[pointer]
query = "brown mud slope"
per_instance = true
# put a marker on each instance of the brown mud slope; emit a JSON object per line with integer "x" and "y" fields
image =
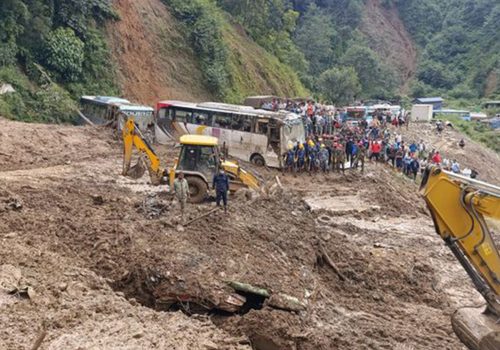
{"x": 91, "y": 246}
{"x": 153, "y": 56}
{"x": 388, "y": 36}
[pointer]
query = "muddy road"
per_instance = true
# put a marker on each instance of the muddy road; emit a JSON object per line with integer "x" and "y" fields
{"x": 89, "y": 259}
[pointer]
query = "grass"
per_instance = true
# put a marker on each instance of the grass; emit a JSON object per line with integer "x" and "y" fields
{"x": 478, "y": 131}
{"x": 254, "y": 71}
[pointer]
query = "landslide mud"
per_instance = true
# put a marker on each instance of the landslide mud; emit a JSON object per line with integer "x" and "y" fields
{"x": 107, "y": 270}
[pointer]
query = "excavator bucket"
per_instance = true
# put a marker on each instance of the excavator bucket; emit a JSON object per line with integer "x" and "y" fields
{"x": 137, "y": 170}
{"x": 476, "y": 328}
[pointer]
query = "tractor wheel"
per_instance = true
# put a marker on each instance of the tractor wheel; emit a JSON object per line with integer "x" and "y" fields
{"x": 197, "y": 189}
{"x": 258, "y": 160}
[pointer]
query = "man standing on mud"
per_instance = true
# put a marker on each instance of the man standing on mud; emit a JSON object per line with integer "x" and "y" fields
{"x": 181, "y": 189}
{"x": 221, "y": 186}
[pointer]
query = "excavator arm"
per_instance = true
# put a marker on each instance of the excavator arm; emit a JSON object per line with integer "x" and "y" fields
{"x": 132, "y": 137}
{"x": 460, "y": 208}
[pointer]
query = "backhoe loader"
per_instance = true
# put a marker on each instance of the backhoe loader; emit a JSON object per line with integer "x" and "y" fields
{"x": 199, "y": 160}
{"x": 462, "y": 210}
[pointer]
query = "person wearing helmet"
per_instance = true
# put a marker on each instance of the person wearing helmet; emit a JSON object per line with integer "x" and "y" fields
{"x": 300, "y": 157}
{"x": 313, "y": 156}
{"x": 289, "y": 159}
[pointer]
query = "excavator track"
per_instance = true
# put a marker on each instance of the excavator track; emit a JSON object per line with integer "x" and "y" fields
{"x": 476, "y": 328}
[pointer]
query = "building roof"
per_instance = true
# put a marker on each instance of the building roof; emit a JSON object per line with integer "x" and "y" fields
{"x": 429, "y": 99}
{"x": 105, "y": 99}
{"x": 200, "y": 140}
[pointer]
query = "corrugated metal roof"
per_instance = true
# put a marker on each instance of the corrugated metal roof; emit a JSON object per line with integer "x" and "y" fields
{"x": 430, "y": 99}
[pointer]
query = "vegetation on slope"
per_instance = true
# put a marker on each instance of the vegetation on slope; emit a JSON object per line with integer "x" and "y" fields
{"x": 460, "y": 46}
{"x": 233, "y": 65}
{"x": 50, "y": 51}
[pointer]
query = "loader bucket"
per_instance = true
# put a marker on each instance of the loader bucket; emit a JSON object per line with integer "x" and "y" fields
{"x": 476, "y": 328}
{"x": 137, "y": 170}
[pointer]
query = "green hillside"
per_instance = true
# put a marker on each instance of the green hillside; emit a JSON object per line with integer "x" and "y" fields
{"x": 53, "y": 51}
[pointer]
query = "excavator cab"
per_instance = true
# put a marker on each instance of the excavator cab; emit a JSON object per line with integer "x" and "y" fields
{"x": 199, "y": 161}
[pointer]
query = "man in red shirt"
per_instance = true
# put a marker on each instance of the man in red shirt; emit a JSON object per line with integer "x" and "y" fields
{"x": 436, "y": 159}
{"x": 376, "y": 148}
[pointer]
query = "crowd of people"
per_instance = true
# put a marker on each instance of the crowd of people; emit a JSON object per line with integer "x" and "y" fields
{"x": 332, "y": 144}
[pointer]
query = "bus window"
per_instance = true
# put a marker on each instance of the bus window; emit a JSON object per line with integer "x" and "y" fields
{"x": 248, "y": 123}
{"x": 202, "y": 118}
{"x": 262, "y": 127}
{"x": 237, "y": 122}
{"x": 183, "y": 116}
{"x": 166, "y": 113}
{"x": 222, "y": 120}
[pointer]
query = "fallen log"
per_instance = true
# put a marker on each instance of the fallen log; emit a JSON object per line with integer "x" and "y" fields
{"x": 87, "y": 120}
{"x": 201, "y": 216}
{"x": 326, "y": 258}
{"x": 248, "y": 288}
{"x": 286, "y": 302}
{"x": 39, "y": 339}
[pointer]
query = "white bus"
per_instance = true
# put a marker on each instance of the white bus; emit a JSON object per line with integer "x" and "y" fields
{"x": 249, "y": 134}
{"x": 107, "y": 109}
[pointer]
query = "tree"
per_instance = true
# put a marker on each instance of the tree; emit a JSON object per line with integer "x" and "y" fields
{"x": 436, "y": 75}
{"x": 316, "y": 37}
{"x": 65, "y": 53}
{"x": 340, "y": 85}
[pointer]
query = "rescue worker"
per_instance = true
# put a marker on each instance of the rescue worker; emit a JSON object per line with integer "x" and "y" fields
{"x": 289, "y": 159}
{"x": 339, "y": 156}
{"x": 360, "y": 157}
{"x": 221, "y": 186}
{"x": 414, "y": 167}
{"x": 300, "y": 157}
{"x": 181, "y": 189}
{"x": 323, "y": 158}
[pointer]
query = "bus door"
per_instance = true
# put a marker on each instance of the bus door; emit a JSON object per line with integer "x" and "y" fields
{"x": 274, "y": 136}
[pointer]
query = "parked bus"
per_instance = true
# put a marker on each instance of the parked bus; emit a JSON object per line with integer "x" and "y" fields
{"x": 249, "y": 134}
{"x": 354, "y": 115}
{"x": 107, "y": 109}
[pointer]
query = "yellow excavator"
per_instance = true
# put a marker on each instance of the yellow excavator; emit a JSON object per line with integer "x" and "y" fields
{"x": 199, "y": 160}
{"x": 462, "y": 210}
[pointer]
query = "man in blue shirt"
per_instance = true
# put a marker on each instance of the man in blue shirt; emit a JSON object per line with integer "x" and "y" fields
{"x": 221, "y": 186}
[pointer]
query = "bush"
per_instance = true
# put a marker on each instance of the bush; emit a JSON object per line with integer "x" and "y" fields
{"x": 12, "y": 106}
{"x": 65, "y": 53}
{"x": 8, "y": 53}
{"x": 206, "y": 31}
{"x": 53, "y": 104}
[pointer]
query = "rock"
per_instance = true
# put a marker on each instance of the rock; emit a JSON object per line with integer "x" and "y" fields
{"x": 98, "y": 199}
{"x": 11, "y": 235}
{"x": 180, "y": 228}
{"x": 62, "y": 286}
{"x": 138, "y": 334}
{"x": 210, "y": 345}
{"x": 13, "y": 204}
{"x": 326, "y": 236}
{"x": 10, "y": 277}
